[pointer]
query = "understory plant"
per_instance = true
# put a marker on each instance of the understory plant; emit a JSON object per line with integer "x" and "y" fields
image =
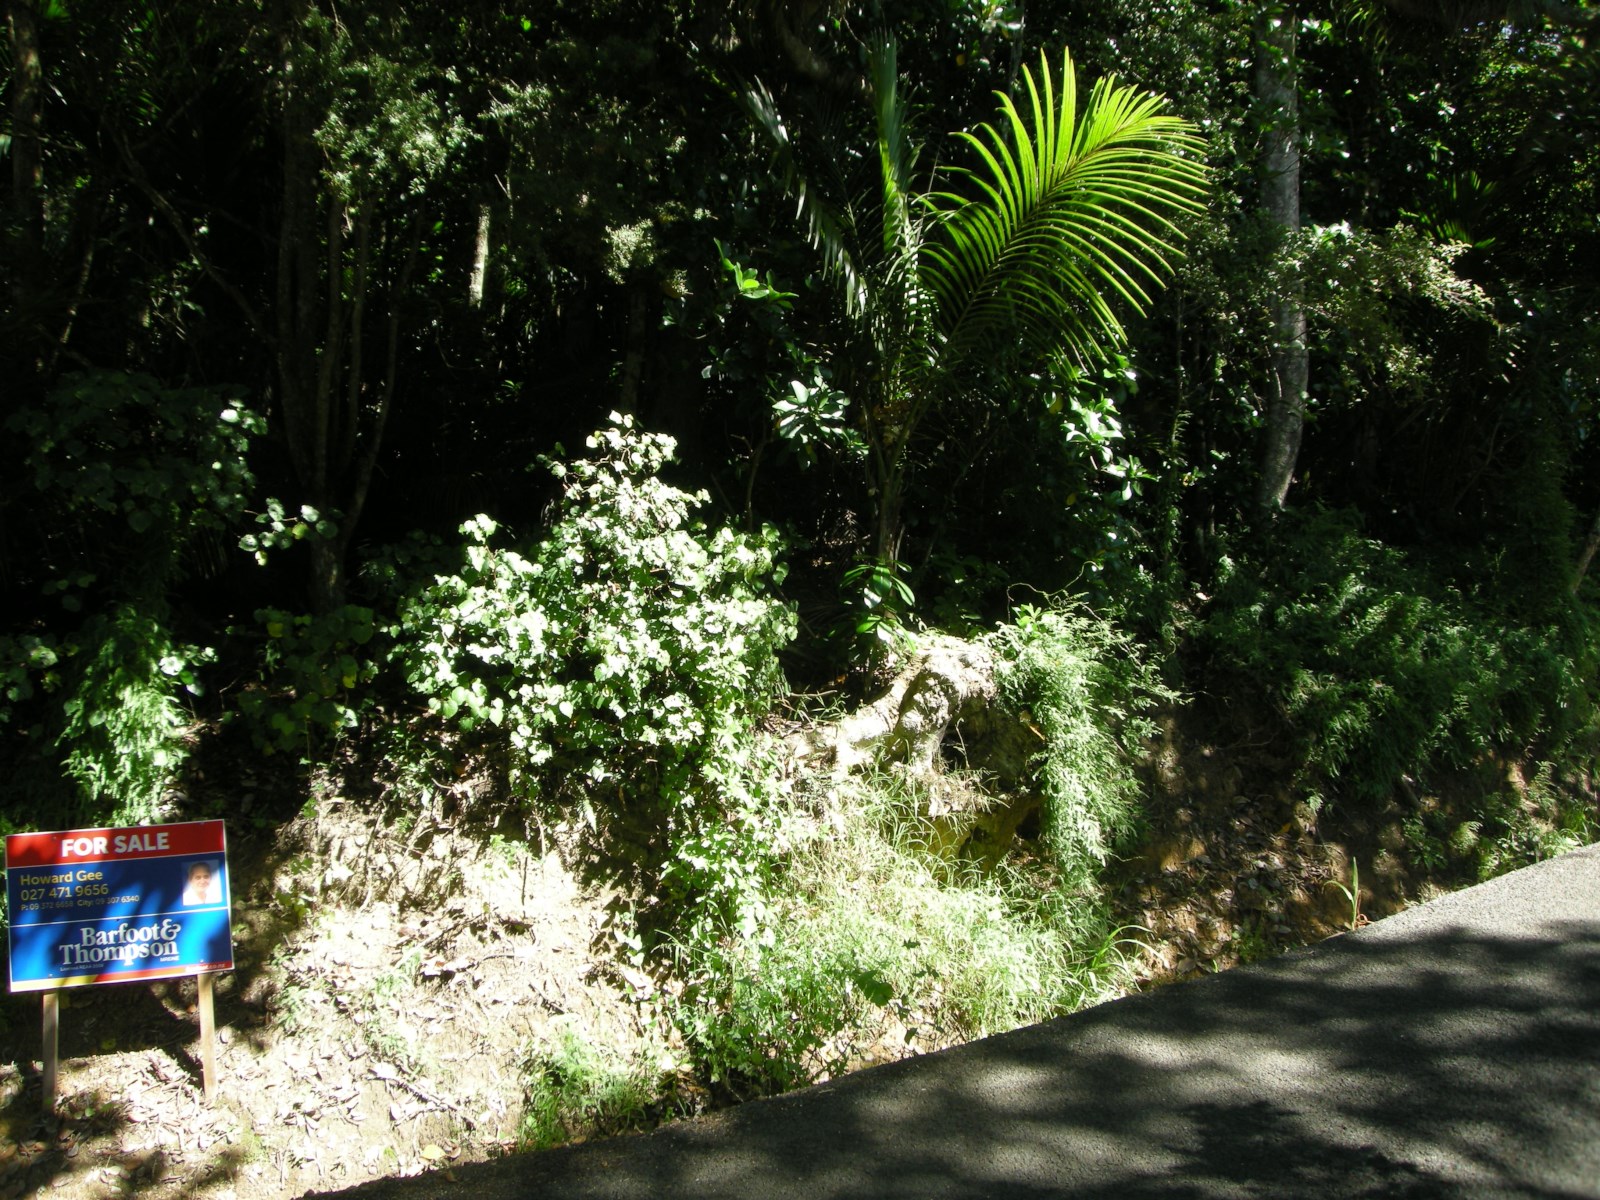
{"x": 1503, "y": 828}
{"x": 313, "y": 668}
{"x": 1082, "y": 687}
{"x": 618, "y": 661}
{"x": 575, "y": 1089}
{"x": 128, "y": 488}
{"x": 122, "y": 733}
{"x": 1380, "y": 669}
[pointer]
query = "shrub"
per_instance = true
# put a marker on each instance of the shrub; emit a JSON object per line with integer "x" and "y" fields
{"x": 1380, "y": 668}
{"x": 121, "y": 737}
{"x": 1080, "y": 685}
{"x": 575, "y": 1090}
{"x": 129, "y": 485}
{"x": 312, "y": 669}
{"x": 621, "y": 658}
{"x": 119, "y": 454}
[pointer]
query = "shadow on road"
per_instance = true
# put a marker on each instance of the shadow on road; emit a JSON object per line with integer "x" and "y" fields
{"x": 1453, "y": 1063}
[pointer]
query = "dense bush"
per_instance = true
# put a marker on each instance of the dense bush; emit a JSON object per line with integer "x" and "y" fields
{"x": 128, "y": 488}
{"x": 621, "y": 658}
{"x": 874, "y": 940}
{"x": 122, "y": 734}
{"x": 314, "y": 668}
{"x": 882, "y": 945}
{"x": 1379, "y": 668}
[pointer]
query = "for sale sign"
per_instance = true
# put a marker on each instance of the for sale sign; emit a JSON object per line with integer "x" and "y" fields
{"x": 115, "y": 905}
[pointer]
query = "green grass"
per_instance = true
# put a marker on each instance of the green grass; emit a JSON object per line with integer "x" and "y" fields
{"x": 576, "y": 1090}
{"x": 882, "y": 949}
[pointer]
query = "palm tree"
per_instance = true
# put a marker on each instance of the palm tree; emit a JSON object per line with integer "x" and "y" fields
{"x": 1018, "y": 262}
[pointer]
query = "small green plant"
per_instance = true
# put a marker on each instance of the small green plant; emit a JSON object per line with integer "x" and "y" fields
{"x": 1251, "y": 942}
{"x": 1541, "y": 822}
{"x": 1352, "y": 893}
{"x": 877, "y": 601}
{"x": 294, "y": 1004}
{"x": 387, "y": 985}
{"x": 384, "y": 1006}
{"x": 122, "y": 734}
{"x": 276, "y": 529}
{"x": 1425, "y": 848}
{"x": 753, "y": 343}
{"x": 575, "y": 1090}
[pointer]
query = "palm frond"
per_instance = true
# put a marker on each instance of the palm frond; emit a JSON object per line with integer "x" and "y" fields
{"x": 1067, "y": 211}
{"x": 827, "y": 229}
{"x": 895, "y": 157}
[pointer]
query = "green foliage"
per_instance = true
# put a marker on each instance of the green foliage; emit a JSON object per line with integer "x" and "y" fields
{"x": 165, "y": 462}
{"x": 878, "y": 601}
{"x": 575, "y": 1090}
{"x": 724, "y": 850}
{"x": 313, "y": 667}
{"x": 1502, "y": 829}
{"x": 1523, "y": 827}
{"x": 1379, "y": 669}
{"x": 808, "y": 412}
{"x": 277, "y": 530}
{"x": 122, "y": 736}
{"x": 1351, "y": 892}
{"x": 1069, "y": 209}
{"x": 868, "y": 936}
{"x": 21, "y": 660}
{"x": 383, "y": 126}
{"x": 880, "y": 945}
{"x": 623, "y": 656}
{"x": 1081, "y": 686}
{"x": 949, "y": 298}
{"x": 128, "y": 483}
{"x": 1376, "y": 343}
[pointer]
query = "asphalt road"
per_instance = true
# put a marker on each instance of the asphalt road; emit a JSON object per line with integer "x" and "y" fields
{"x": 1453, "y": 1050}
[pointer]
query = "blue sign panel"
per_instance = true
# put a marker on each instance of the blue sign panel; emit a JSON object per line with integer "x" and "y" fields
{"x": 116, "y": 905}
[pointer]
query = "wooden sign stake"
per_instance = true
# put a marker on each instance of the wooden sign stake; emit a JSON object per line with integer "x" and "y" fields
{"x": 52, "y": 1023}
{"x": 208, "y": 1037}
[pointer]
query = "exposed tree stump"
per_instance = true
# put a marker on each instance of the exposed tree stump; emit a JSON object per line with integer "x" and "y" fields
{"x": 965, "y": 754}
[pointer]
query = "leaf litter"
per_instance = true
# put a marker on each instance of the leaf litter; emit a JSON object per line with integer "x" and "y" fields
{"x": 387, "y": 990}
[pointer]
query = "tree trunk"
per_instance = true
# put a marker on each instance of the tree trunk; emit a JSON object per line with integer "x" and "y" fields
{"x": 342, "y": 272}
{"x": 307, "y": 301}
{"x": 1590, "y": 545}
{"x": 327, "y": 572}
{"x": 640, "y": 312}
{"x": 1277, "y": 98}
{"x": 886, "y": 517}
{"x": 480, "y": 258}
{"x": 888, "y": 433}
